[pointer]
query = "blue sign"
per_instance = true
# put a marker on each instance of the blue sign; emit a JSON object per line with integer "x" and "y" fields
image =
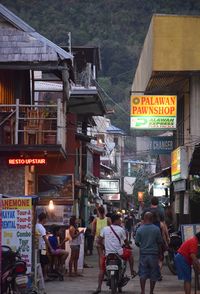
{"x": 161, "y": 145}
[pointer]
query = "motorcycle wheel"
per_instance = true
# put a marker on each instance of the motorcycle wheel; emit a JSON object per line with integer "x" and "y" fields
{"x": 170, "y": 263}
{"x": 113, "y": 284}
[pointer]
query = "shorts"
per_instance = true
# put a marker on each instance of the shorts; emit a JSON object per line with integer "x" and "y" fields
{"x": 58, "y": 251}
{"x": 149, "y": 267}
{"x": 184, "y": 270}
{"x": 44, "y": 260}
{"x": 75, "y": 247}
{"x": 125, "y": 256}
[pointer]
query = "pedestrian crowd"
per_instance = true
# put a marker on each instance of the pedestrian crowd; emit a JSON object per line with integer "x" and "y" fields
{"x": 110, "y": 233}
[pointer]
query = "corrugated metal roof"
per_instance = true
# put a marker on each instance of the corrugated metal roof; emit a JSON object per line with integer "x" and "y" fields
{"x": 114, "y": 130}
{"x": 21, "y": 43}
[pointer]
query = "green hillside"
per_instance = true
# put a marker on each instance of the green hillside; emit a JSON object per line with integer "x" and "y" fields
{"x": 117, "y": 26}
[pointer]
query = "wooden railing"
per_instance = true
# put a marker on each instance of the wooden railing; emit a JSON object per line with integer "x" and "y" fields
{"x": 33, "y": 124}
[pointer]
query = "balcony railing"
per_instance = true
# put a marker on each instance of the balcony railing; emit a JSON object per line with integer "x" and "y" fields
{"x": 35, "y": 124}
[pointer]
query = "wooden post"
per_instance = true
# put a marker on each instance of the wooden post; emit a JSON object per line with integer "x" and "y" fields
{"x": 65, "y": 79}
{"x": 17, "y": 121}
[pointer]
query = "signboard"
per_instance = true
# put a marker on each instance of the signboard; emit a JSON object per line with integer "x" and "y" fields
{"x": 59, "y": 215}
{"x": 161, "y": 145}
{"x": 177, "y": 203}
{"x": 180, "y": 186}
{"x": 108, "y": 186}
{"x": 56, "y": 186}
{"x": 161, "y": 187}
{"x": 179, "y": 168}
{"x": 154, "y": 112}
{"x": 111, "y": 197}
{"x": 189, "y": 230}
{"x": 17, "y": 226}
{"x": 186, "y": 203}
{"x": 27, "y": 161}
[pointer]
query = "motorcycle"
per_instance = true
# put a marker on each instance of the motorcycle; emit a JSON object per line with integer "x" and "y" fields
{"x": 115, "y": 271}
{"x": 14, "y": 278}
{"x": 175, "y": 243}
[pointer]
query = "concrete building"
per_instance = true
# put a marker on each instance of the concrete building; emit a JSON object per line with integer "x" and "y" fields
{"x": 170, "y": 65}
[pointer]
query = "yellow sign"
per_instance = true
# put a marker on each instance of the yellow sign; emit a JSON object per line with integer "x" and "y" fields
{"x": 176, "y": 160}
{"x": 17, "y": 203}
{"x": 179, "y": 165}
{"x": 153, "y": 112}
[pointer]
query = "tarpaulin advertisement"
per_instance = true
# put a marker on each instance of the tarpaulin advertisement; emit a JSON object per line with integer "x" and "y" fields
{"x": 17, "y": 226}
{"x": 154, "y": 112}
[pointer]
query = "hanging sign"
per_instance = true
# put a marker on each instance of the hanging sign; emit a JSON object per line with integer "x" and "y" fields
{"x": 179, "y": 167}
{"x": 17, "y": 226}
{"x": 161, "y": 145}
{"x": 154, "y": 112}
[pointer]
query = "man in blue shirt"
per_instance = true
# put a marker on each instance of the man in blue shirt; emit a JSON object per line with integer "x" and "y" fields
{"x": 149, "y": 239}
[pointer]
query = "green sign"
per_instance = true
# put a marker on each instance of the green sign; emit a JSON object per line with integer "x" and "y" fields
{"x": 163, "y": 122}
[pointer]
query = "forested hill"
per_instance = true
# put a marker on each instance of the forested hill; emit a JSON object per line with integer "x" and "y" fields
{"x": 117, "y": 26}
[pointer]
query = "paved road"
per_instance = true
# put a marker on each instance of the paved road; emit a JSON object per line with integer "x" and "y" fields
{"x": 88, "y": 283}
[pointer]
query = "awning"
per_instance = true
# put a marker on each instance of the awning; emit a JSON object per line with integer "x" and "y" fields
{"x": 194, "y": 166}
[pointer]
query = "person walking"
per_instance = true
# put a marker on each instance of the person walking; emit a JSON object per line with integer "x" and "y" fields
{"x": 149, "y": 240}
{"x": 185, "y": 259}
{"x": 159, "y": 221}
{"x": 129, "y": 224}
{"x": 100, "y": 222}
{"x": 75, "y": 242}
{"x": 89, "y": 238}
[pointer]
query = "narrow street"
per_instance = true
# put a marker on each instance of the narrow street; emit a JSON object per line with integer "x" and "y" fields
{"x": 88, "y": 283}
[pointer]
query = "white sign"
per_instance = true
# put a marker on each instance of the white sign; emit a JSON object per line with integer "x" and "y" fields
{"x": 177, "y": 203}
{"x": 108, "y": 186}
{"x": 186, "y": 203}
{"x": 111, "y": 197}
{"x": 17, "y": 226}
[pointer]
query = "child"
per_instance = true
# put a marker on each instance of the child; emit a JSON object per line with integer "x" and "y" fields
{"x": 57, "y": 251}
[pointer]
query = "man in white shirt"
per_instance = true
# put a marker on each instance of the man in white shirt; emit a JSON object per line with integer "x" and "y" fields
{"x": 114, "y": 238}
{"x": 43, "y": 243}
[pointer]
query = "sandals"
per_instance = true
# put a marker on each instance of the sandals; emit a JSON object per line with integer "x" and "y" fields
{"x": 134, "y": 274}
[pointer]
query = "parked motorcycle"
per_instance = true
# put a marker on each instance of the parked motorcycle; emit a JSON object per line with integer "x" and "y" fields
{"x": 115, "y": 271}
{"x": 14, "y": 278}
{"x": 175, "y": 243}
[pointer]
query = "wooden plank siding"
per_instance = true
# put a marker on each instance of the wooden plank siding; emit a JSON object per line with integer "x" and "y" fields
{"x": 14, "y": 84}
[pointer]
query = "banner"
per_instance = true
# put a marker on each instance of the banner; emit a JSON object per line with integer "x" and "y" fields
{"x": 17, "y": 226}
{"x": 153, "y": 112}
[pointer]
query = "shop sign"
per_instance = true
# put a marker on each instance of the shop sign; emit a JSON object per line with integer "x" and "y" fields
{"x": 154, "y": 112}
{"x": 111, "y": 197}
{"x": 179, "y": 186}
{"x": 108, "y": 186}
{"x": 161, "y": 145}
{"x": 17, "y": 226}
{"x": 179, "y": 168}
{"x": 27, "y": 161}
{"x": 161, "y": 187}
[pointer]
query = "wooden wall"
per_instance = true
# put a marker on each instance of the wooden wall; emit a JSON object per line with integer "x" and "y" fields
{"x": 14, "y": 84}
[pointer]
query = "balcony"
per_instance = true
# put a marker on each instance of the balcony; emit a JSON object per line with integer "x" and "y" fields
{"x": 36, "y": 124}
